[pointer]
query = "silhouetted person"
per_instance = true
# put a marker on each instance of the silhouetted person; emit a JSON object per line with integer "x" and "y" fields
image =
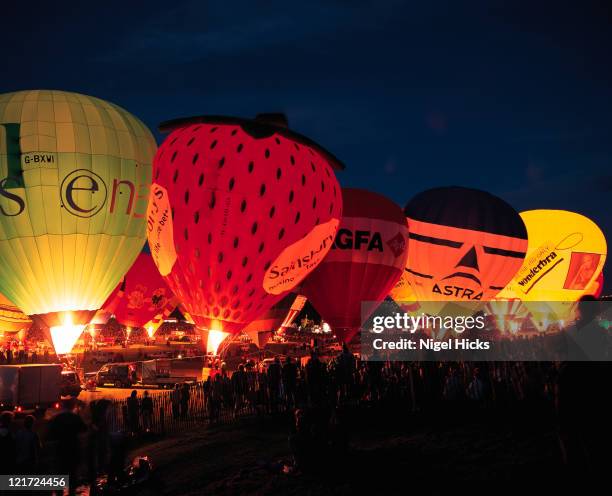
{"x": 175, "y": 398}
{"x": 133, "y": 411}
{"x": 274, "y": 382}
{"x": 28, "y": 447}
{"x": 185, "y": 395}
{"x": 584, "y": 387}
{"x": 289, "y": 373}
{"x": 7, "y": 444}
{"x": 65, "y": 428}
{"x": 146, "y": 407}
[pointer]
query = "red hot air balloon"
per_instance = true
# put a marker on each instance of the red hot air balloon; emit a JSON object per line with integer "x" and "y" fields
{"x": 142, "y": 294}
{"x": 366, "y": 261}
{"x": 465, "y": 244}
{"x": 240, "y": 212}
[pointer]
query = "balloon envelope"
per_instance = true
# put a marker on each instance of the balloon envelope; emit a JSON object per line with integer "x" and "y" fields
{"x": 141, "y": 295}
{"x": 366, "y": 261}
{"x": 240, "y": 212}
{"x": 566, "y": 255}
{"x": 465, "y": 244}
{"x": 75, "y": 173}
{"x": 12, "y": 319}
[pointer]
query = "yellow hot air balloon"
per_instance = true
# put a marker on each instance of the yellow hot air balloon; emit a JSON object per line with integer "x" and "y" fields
{"x": 75, "y": 173}
{"x": 12, "y": 320}
{"x": 566, "y": 254}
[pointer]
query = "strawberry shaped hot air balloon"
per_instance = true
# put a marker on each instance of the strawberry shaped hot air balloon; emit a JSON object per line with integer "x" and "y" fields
{"x": 366, "y": 261}
{"x": 141, "y": 295}
{"x": 240, "y": 212}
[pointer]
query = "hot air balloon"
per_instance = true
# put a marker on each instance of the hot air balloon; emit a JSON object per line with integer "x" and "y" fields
{"x": 465, "y": 244}
{"x": 366, "y": 261}
{"x": 13, "y": 322}
{"x": 279, "y": 317}
{"x": 141, "y": 295}
{"x": 75, "y": 173}
{"x": 241, "y": 211}
{"x": 566, "y": 254}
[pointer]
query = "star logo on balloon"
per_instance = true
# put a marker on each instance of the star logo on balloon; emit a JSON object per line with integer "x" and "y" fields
{"x": 397, "y": 244}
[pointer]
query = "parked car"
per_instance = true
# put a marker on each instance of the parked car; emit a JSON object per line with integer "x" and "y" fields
{"x": 70, "y": 383}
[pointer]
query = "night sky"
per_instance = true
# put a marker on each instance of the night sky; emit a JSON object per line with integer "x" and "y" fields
{"x": 507, "y": 96}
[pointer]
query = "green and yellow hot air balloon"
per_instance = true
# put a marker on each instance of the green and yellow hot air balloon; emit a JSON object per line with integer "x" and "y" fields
{"x": 75, "y": 173}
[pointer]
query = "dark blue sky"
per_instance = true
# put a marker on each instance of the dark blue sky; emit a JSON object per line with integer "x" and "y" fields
{"x": 508, "y": 96}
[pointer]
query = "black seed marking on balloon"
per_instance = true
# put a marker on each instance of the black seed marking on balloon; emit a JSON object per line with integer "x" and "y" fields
{"x": 157, "y": 174}
{"x": 317, "y": 221}
{"x": 331, "y": 206}
{"x": 261, "y": 247}
{"x": 311, "y": 152}
{"x": 243, "y": 206}
{"x": 272, "y": 211}
{"x": 213, "y": 144}
{"x": 267, "y": 153}
{"x": 196, "y": 253}
{"x": 314, "y": 202}
{"x": 277, "y": 141}
{"x": 172, "y": 209}
{"x": 281, "y": 233}
{"x": 187, "y": 197}
{"x": 236, "y": 241}
{"x": 194, "y": 159}
{"x": 213, "y": 130}
{"x": 173, "y": 156}
{"x": 292, "y": 160}
{"x": 236, "y": 303}
{"x": 249, "y": 306}
{"x": 278, "y": 173}
{"x": 217, "y": 286}
{"x": 327, "y": 171}
{"x": 196, "y": 217}
{"x": 231, "y": 183}
{"x": 209, "y": 239}
{"x": 268, "y": 263}
{"x": 303, "y": 180}
{"x": 201, "y": 179}
{"x": 262, "y": 190}
{"x": 249, "y": 277}
{"x": 322, "y": 186}
{"x": 209, "y": 272}
{"x": 233, "y": 133}
{"x": 254, "y": 228}
{"x": 221, "y": 162}
{"x": 239, "y": 149}
{"x": 291, "y": 196}
{"x": 334, "y": 191}
{"x": 226, "y": 313}
{"x": 245, "y": 261}
{"x": 297, "y": 217}
{"x": 174, "y": 140}
{"x": 186, "y": 234}
{"x": 228, "y": 275}
{"x": 312, "y": 165}
{"x": 213, "y": 200}
{"x": 297, "y": 147}
{"x": 196, "y": 128}
{"x": 190, "y": 142}
{"x": 251, "y": 165}
{"x": 220, "y": 257}
{"x": 252, "y": 292}
{"x": 175, "y": 177}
